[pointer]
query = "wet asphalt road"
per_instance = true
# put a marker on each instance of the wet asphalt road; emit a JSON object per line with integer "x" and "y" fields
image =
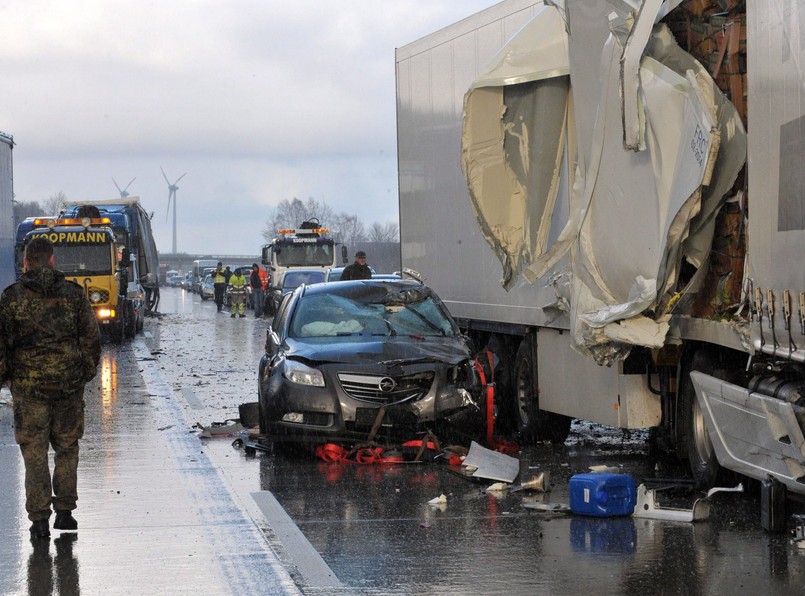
{"x": 348, "y": 528}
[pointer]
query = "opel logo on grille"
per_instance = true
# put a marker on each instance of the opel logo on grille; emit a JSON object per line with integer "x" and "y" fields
{"x": 387, "y": 384}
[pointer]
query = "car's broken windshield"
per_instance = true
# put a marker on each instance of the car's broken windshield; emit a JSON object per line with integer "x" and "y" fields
{"x": 330, "y": 315}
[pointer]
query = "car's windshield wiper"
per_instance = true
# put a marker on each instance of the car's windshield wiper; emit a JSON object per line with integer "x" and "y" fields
{"x": 391, "y": 332}
{"x": 425, "y": 320}
{"x": 421, "y": 360}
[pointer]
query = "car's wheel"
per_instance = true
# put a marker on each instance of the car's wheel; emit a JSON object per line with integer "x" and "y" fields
{"x": 262, "y": 413}
{"x": 203, "y": 297}
{"x": 693, "y": 438}
{"x": 531, "y": 423}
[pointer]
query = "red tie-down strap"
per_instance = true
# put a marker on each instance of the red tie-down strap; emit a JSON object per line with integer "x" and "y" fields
{"x": 490, "y": 394}
{"x": 330, "y": 452}
{"x": 367, "y": 454}
{"x": 491, "y": 441}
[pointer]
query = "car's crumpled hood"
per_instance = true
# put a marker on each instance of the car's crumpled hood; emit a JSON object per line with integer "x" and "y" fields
{"x": 332, "y": 350}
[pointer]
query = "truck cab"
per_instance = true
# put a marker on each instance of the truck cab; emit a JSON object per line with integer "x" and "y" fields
{"x": 87, "y": 254}
{"x": 310, "y": 246}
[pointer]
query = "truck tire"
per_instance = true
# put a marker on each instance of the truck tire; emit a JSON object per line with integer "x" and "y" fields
{"x": 693, "y": 438}
{"x": 531, "y": 423}
{"x": 130, "y": 318}
{"x": 118, "y": 331}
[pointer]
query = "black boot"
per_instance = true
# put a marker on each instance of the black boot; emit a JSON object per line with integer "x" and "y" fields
{"x": 65, "y": 521}
{"x": 40, "y": 529}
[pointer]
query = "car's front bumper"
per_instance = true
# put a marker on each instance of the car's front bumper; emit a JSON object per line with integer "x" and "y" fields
{"x": 297, "y": 412}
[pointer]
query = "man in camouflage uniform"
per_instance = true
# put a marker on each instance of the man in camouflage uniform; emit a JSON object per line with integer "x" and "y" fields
{"x": 49, "y": 349}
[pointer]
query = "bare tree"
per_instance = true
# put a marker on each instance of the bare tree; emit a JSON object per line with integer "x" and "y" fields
{"x": 290, "y": 214}
{"x": 350, "y": 229}
{"x": 388, "y": 232}
{"x": 54, "y": 203}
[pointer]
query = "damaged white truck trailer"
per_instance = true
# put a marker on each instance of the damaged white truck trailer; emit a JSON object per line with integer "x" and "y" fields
{"x": 650, "y": 249}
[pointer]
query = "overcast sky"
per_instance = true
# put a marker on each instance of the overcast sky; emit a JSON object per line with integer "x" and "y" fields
{"x": 256, "y": 101}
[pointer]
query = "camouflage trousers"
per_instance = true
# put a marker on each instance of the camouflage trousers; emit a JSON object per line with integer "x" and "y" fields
{"x": 57, "y": 421}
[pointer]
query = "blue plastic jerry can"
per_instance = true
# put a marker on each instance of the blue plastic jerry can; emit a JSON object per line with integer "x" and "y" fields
{"x": 602, "y": 495}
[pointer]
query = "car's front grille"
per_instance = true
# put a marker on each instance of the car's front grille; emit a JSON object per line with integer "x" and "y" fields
{"x": 380, "y": 390}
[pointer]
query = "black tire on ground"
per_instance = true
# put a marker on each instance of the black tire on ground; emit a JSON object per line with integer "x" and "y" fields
{"x": 261, "y": 412}
{"x": 203, "y": 297}
{"x": 532, "y": 423}
{"x": 693, "y": 439}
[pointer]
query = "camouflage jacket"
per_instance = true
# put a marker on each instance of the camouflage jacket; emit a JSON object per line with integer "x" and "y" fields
{"x": 49, "y": 338}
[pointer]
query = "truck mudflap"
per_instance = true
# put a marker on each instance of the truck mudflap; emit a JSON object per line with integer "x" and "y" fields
{"x": 753, "y": 434}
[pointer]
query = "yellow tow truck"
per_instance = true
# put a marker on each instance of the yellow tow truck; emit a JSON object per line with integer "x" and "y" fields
{"x": 86, "y": 253}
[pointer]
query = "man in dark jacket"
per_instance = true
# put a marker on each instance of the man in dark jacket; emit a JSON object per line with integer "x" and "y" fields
{"x": 49, "y": 349}
{"x": 358, "y": 270}
{"x": 219, "y": 281}
{"x": 256, "y": 282}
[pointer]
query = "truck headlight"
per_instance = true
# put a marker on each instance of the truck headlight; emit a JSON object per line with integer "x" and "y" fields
{"x": 95, "y": 297}
{"x": 296, "y": 372}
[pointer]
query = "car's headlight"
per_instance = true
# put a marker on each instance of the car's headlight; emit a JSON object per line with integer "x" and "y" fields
{"x": 296, "y": 372}
{"x": 465, "y": 376}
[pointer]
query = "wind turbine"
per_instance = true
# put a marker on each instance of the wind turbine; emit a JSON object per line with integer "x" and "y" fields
{"x": 123, "y": 193}
{"x": 172, "y": 188}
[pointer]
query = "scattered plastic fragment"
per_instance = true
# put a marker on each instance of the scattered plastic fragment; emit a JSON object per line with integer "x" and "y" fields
{"x": 538, "y": 483}
{"x": 220, "y": 430}
{"x": 491, "y": 464}
{"x": 440, "y": 500}
{"x": 603, "y": 468}
{"x": 550, "y": 507}
{"x": 497, "y": 487}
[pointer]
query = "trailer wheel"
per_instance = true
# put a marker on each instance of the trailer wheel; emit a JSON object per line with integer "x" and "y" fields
{"x": 531, "y": 423}
{"x": 693, "y": 436}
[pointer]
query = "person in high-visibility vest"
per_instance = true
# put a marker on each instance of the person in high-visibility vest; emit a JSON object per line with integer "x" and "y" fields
{"x": 237, "y": 293}
{"x": 219, "y": 283}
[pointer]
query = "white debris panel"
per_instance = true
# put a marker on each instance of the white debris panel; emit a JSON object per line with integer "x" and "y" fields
{"x": 599, "y": 99}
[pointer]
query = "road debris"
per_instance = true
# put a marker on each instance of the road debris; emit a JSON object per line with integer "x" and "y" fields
{"x": 485, "y": 463}
{"x": 440, "y": 500}
{"x": 498, "y": 487}
{"x": 219, "y": 429}
{"x": 538, "y": 483}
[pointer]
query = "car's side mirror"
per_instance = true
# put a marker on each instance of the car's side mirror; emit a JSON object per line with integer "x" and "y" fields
{"x": 344, "y": 253}
{"x": 272, "y": 341}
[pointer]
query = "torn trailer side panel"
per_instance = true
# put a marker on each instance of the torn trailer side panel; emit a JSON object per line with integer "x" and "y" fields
{"x": 604, "y": 197}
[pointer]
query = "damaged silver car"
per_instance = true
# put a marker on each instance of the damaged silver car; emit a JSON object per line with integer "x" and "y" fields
{"x": 354, "y": 360}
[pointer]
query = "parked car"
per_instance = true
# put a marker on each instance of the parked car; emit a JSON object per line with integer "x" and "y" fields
{"x": 175, "y": 281}
{"x": 207, "y": 288}
{"x": 336, "y": 353}
{"x": 187, "y": 282}
{"x": 334, "y": 274}
{"x": 292, "y": 280}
